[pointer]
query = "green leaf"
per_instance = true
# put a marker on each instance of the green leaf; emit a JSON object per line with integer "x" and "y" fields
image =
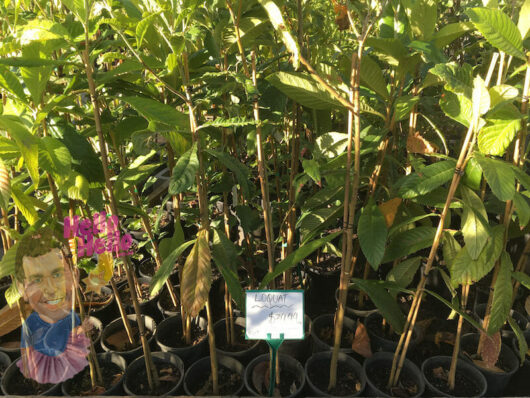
{"x": 458, "y": 107}
{"x": 372, "y": 76}
{"x": 225, "y": 257}
{"x": 24, "y": 204}
{"x": 500, "y": 130}
{"x": 450, "y": 248}
{"x": 160, "y": 276}
{"x": 241, "y": 171}
{"x": 522, "y": 209}
{"x": 524, "y": 19}
{"x": 422, "y": 15}
{"x": 130, "y": 210}
{"x": 521, "y": 340}
{"x": 7, "y": 264}
{"x": 157, "y": 111}
{"x": 372, "y": 233}
{"x": 26, "y": 142}
{"x": 473, "y": 174}
{"x": 303, "y": 89}
{"x": 403, "y": 273}
{"x": 12, "y": 295}
{"x": 54, "y": 157}
{"x": 502, "y": 93}
{"x": 499, "y": 175}
{"x": 502, "y": 295}
{"x": 142, "y": 26}
{"x": 383, "y": 300}
{"x": 480, "y": 97}
{"x": 403, "y": 106}
{"x": 312, "y": 222}
{"x": 498, "y": 29}
{"x": 134, "y": 175}
{"x": 522, "y": 278}
{"x": 31, "y": 62}
{"x": 9, "y": 82}
{"x": 458, "y": 78}
{"x": 391, "y": 50}
{"x": 466, "y": 270}
{"x": 296, "y": 257}
{"x": 229, "y": 122}
{"x": 77, "y": 186}
{"x": 84, "y": 159}
{"x": 276, "y": 18}
{"x": 196, "y": 276}
{"x": 475, "y": 226}
{"x": 451, "y": 32}
{"x": 409, "y": 242}
{"x": 167, "y": 244}
{"x": 183, "y": 176}
{"x": 430, "y": 178}
{"x": 312, "y": 169}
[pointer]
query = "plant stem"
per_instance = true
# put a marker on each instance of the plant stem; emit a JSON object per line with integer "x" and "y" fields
{"x": 213, "y": 352}
{"x": 123, "y": 314}
{"x": 456, "y": 348}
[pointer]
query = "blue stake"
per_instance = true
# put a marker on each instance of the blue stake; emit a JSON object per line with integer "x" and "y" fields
{"x": 274, "y": 344}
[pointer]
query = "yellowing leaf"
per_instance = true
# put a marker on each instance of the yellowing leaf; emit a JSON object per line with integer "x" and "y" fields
{"x": 389, "y": 210}
{"x": 417, "y": 144}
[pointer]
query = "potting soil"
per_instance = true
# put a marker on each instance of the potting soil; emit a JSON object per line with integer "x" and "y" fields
{"x": 125, "y": 294}
{"x": 464, "y": 386}
{"x": 240, "y": 343}
{"x": 406, "y": 387}
{"x": 119, "y": 341}
{"x": 168, "y": 376}
{"x": 165, "y": 300}
{"x": 19, "y": 385}
{"x": 229, "y": 382}
{"x": 82, "y": 385}
{"x": 327, "y": 333}
{"x": 288, "y": 382}
{"x": 177, "y": 340}
{"x": 347, "y": 381}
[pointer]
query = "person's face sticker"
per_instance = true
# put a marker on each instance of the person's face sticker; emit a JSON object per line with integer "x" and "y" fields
{"x": 48, "y": 285}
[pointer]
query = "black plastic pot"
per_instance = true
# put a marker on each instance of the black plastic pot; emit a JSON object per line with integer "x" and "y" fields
{"x": 200, "y": 371}
{"x": 116, "y": 325}
{"x": 506, "y": 332}
{"x": 171, "y": 328}
{"x": 10, "y": 343}
{"x": 380, "y": 343}
{"x": 167, "y": 313}
{"x": 299, "y": 349}
{"x": 142, "y": 273}
{"x": 383, "y": 360}
{"x": 352, "y": 311}
{"x": 107, "y": 357}
{"x": 244, "y": 356}
{"x": 5, "y": 361}
{"x": 286, "y": 363}
{"x": 321, "y": 362}
{"x": 97, "y": 326}
{"x": 147, "y": 307}
{"x": 463, "y": 369}
{"x": 322, "y": 285}
{"x": 108, "y": 312}
{"x": 9, "y": 380}
{"x": 497, "y": 382}
{"x": 327, "y": 320}
{"x": 159, "y": 358}
{"x": 515, "y": 346}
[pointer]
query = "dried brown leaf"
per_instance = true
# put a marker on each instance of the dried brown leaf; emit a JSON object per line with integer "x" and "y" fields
{"x": 527, "y": 305}
{"x": 417, "y": 144}
{"x": 485, "y": 365}
{"x": 361, "y": 341}
{"x": 389, "y": 210}
{"x": 196, "y": 276}
{"x": 491, "y": 348}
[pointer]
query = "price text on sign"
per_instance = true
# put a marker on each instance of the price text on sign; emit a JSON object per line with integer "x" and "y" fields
{"x": 275, "y": 312}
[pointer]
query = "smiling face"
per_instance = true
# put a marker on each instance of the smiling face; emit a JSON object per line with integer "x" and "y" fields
{"x": 48, "y": 285}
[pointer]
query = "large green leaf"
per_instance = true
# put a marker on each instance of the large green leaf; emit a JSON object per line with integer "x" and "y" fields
{"x": 183, "y": 176}
{"x": 521, "y": 340}
{"x": 372, "y": 233}
{"x": 422, "y": 16}
{"x": 7, "y": 264}
{"x": 466, "y": 270}
{"x": 312, "y": 169}
{"x": 403, "y": 106}
{"x": 522, "y": 208}
{"x": 428, "y": 179}
{"x": 450, "y": 248}
{"x": 391, "y": 50}
{"x": 235, "y": 166}
{"x": 475, "y": 226}
{"x": 77, "y": 186}
{"x": 458, "y": 107}
{"x": 166, "y": 245}
{"x": 84, "y": 159}
{"x": 451, "y": 32}
{"x": 24, "y": 204}
{"x": 295, "y": 257}
{"x": 303, "y": 89}
{"x": 383, "y": 300}
{"x": 27, "y": 144}
{"x": 522, "y": 278}
{"x": 403, "y": 273}
{"x": 372, "y": 76}
{"x": 499, "y": 175}
{"x": 501, "y": 128}
{"x": 225, "y": 257}
{"x": 458, "y": 78}
{"x": 314, "y": 221}
{"x": 54, "y": 157}
{"x": 158, "y": 111}
{"x": 502, "y": 295}
{"x": 78, "y": 7}
{"x": 408, "y": 242}
{"x": 196, "y": 276}
{"x": 161, "y": 275}
{"x": 229, "y": 122}
{"x": 9, "y": 82}
{"x": 142, "y": 26}
{"x": 5, "y": 186}
{"x": 524, "y": 19}
{"x": 498, "y": 29}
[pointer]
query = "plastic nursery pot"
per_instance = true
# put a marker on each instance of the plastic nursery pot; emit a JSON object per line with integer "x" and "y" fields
{"x": 378, "y": 340}
{"x": 95, "y": 333}
{"x": 114, "y": 337}
{"x": 146, "y": 269}
{"x": 108, "y": 360}
{"x": 323, "y": 330}
{"x": 497, "y": 381}
{"x": 103, "y": 307}
{"x": 164, "y": 303}
{"x": 198, "y": 375}
{"x": 352, "y": 306}
{"x": 349, "y": 374}
{"x": 5, "y": 361}
{"x": 135, "y": 379}
{"x": 299, "y": 349}
{"x": 14, "y": 383}
{"x": 515, "y": 346}
{"x": 291, "y": 371}
{"x": 323, "y": 280}
{"x": 377, "y": 369}
{"x": 10, "y": 343}
{"x": 169, "y": 338}
{"x": 243, "y": 350}
{"x": 506, "y": 332}
{"x": 469, "y": 381}
{"x": 148, "y": 306}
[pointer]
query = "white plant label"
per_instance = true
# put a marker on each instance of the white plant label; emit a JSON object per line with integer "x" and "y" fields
{"x": 271, "y": 313}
